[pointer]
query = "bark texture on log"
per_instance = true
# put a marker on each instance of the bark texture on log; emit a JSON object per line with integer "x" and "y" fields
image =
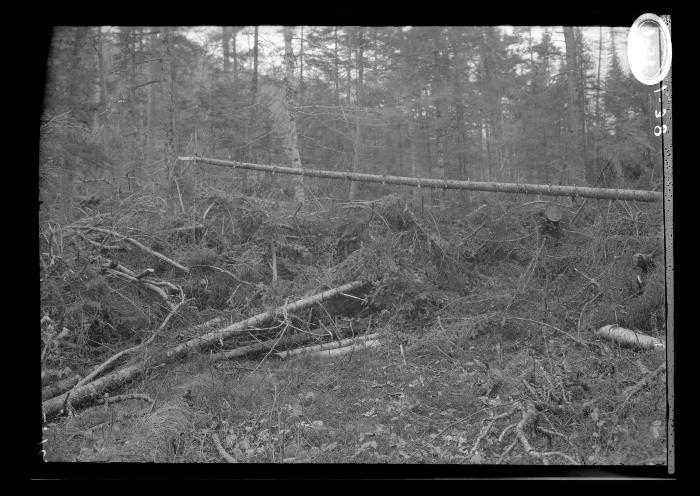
{"x": 117, "y": 378}
{"x": 494, "y": 187}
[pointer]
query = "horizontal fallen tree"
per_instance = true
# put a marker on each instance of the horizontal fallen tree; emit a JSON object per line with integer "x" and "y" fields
{"x": 319, "y": 348}
{"x": 261, "y": 346}
{"x": 59, "y": 387}
{"x": 359, "y": 346}
{"x": 242, "y": 327}
{"x": 423, "y": 182}
{"x": 55, "y": 405}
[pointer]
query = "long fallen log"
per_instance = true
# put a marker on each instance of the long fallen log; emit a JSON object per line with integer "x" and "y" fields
{"x": 213, "y": 337}
{"x": 60, "y": 387}
{"x": 326, "y": 346}
{"x": 54, "y": 405}
{"x": 424, "y": 182}
{"x": 359, "y": 346}
{"x": 261, "y": 346}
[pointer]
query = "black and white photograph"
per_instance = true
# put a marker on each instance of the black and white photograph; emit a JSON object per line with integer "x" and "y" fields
{"x": 323, "y": 248}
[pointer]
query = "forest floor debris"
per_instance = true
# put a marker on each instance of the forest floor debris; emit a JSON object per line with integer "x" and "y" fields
{"x": 487, "y": 327}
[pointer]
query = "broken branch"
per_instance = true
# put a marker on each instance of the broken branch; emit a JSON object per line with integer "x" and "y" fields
{"x": 54, "y": 405}
{"x": 137, "y": 245}
{"x": 328, "y": 346}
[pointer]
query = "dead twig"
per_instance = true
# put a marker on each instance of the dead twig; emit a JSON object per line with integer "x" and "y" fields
{"x": 327, "y": 346}
{"x": 578, "y": 327}
{"x": 590, "y": 279}
{"x": 487, "y": 428}
{"x": 159, "y": 291}
{"x": 629, "y": 392}
{"x": 583, "y": 343}
{"x": 471, "y": 416}
{"x": 137, "y": 245}
{"x": 529, "y": 413}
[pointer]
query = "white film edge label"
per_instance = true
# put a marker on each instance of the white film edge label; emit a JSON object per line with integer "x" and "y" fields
{"x": 649, "y": 49}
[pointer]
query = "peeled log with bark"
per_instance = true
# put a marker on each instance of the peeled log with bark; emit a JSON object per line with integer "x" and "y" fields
{"x": 54, "y": 405}
{"x": 327, "y": 346}
{"x": 262, "y": 346}
{"x": 630, "y": 338}
{"x": 258, "y": 320}
{"x": 362, "y": 345}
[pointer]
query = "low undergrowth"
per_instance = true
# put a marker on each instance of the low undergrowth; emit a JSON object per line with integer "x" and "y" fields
{"x": 485, "y": 314}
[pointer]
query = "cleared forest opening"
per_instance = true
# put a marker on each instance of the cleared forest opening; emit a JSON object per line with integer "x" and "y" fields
{"x": 484, "y": 311}
{"x": 408, "y": 245}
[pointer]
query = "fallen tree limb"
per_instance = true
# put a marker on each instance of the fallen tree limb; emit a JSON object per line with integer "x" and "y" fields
{"x": 102, "y": 246}
{"x": 529, "y": 413}
{"x": 116, "y": 266}
{"x": 630, "y": 338}
{"x": 55, "y": 405}
{"x": 109, "y": 400}
{"x": 137, "y": 245}
{"x": 59, "y": 387}
{"x": 195, "y": 227}
{"x": 100, "y": 368}
{"x": 159, "y": 291}
{"x": 224, "y": 271}
{"x": 326, "y": 346}
{"x": 241, "y": 327}
{"x": 550, "y": 326}
{"x": 206, "y": 325}
{"x": 259, "y": 347}
{"x": 166, "y": 284}
{"x": 635, "y": 388}
{"x": 362, "y": 345}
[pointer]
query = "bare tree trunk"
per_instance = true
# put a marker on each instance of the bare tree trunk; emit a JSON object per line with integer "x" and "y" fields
{"x": 225, "y": 42}
{"x": 291, "y": 131}
{"x": 68, "y": 177}
{"x": 576, "y": 162}
{"x": 399, "y": 142}
{"x": 590, "y": 174}
{"x": 439, "y": 76}
{"x": 154, "y": 74}
{"x": 357, "y": 152}
{"x": 235, "y": 56}
{"x": 136, "y": 171}
{"x": 105, "y": 96}
{"x": 301, "y": 64}
{"x": 172, "y": 167}
{"x": 597, "y": 104}
{"x": 413, "y": 155}
{"x": 97, "y": 94}
{"x": 354, "y": 186}
{"x": 336, "y": 73}
{"x": 255, "y": 62}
